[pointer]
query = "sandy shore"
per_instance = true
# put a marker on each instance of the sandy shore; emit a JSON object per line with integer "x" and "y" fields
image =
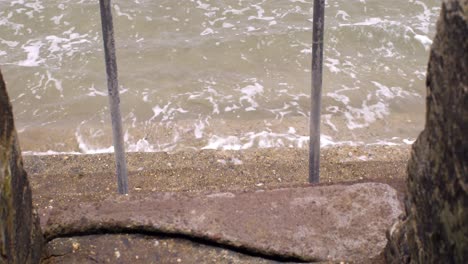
{"x": 59, "y": 179}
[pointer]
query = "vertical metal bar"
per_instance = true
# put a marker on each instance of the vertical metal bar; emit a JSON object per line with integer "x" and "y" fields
{"x": 316, "y": 93}
{"x": 114, "y": 100}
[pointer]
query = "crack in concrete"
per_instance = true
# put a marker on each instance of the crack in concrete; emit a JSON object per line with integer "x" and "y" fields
{"x": 248, "y": 251}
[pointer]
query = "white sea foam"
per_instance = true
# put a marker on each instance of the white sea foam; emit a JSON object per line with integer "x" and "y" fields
{"x": 342, "y": 14}
{"x": 95, "y": 92}
{"x": 364, "y": 116}
{"x": 120, "y": 13}
{"x": 207, "y": 31}
{"x": 327, "y": 120}
{"x": 198, "y": 131}
{"x": 69, "y": 44}
{"x": 87, "y": 148}
{"x": 408, "y": 141}
{"x": 142, "y": 145}
{"x": 33, "y": 54}
{"x": 260, "y": 14}
{"x": 10, "y": 44}
{"x": 249, "y": 93}
{"x": 385, "y": 92}
{"x": 167, "y": 112}
{"x": 206, "y": 60}
{"x": 225, "y": 143}
{"x": 57, "y": 83}
{"x": 425, "y": 41}
{"x": 339, "y": 97}
{"x": 332, "y": 64}
{"x": 424, "y": 17}
{"x": 49, "y": 152}
{"x": 235, "y": 11}
{"x": 57, "y": 19}
{"x": 227, "y": 25}
{"x": 368, "y": 22}
{"x": 266, "y": 139}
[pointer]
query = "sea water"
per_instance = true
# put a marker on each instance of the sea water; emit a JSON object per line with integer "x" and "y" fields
{"x": 215, "y": 74}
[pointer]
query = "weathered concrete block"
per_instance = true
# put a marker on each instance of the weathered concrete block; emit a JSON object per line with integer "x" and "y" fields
{"x": 436, "y": 226}
{"x": 20, "y": 235}
{"x": 323, "y": 223}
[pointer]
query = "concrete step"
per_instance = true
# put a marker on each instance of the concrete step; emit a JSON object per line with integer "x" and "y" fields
{"x": 321, "y": 223}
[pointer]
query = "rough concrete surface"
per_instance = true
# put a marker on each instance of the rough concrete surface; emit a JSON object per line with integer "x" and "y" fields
{"x": 336, "y": 222}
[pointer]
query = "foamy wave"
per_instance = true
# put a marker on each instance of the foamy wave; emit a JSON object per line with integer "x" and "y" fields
{"x": 249, "y": 93}
{"x": 263, "y": 139}
{"x": 33, "y": 54}
{"x": 184, "y": 63}
{"x": 50, "y": 152}
{"x": 266, "y": 139}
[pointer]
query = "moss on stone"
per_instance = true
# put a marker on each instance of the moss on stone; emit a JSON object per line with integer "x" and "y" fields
{"x": 20, "y": 235}
{"x": 435, "y": 229}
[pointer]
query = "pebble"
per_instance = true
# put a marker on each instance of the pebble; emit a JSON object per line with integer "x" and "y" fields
{"x": 75, "y": 246}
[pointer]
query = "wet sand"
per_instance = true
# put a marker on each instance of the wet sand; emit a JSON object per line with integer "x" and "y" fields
{"x": 61, "y": 179}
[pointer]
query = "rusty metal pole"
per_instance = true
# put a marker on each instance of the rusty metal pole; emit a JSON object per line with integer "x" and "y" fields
{"x": 316, "y": 93}
{"x": 114, "y": 100}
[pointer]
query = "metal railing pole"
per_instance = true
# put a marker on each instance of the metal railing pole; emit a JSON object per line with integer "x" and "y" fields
{"x": 316, "y": 93}
{"x": 114, "y": 100}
